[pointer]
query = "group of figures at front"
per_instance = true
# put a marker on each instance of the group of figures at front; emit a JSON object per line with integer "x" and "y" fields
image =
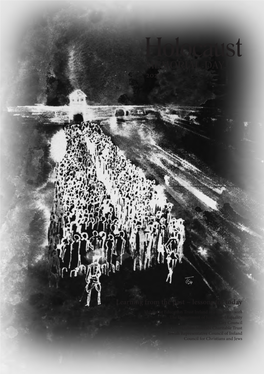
{"x": 104, "y": 211}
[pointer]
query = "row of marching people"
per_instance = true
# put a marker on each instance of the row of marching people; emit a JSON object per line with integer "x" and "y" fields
{"x": 104, "y": 206}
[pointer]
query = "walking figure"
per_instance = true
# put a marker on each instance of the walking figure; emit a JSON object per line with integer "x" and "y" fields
{"x": 93, "y": 281}
{"x": 171, "y": 263}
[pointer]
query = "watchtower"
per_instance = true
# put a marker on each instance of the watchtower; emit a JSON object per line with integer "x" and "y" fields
{"x": 77, "y": 105}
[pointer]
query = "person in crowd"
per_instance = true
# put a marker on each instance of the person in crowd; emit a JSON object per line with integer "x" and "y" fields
{"x": 93, "y": 280}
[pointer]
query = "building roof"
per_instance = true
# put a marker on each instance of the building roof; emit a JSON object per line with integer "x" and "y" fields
{"x": 77, "y": 92}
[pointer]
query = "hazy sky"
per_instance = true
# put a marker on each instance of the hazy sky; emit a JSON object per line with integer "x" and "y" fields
{"x": 191, "y": 21}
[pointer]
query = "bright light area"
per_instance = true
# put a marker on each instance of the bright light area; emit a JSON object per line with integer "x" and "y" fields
{"x": 203, "y": 252}
{"x": 58, "y": 146}
{"x": 161, "y": 198}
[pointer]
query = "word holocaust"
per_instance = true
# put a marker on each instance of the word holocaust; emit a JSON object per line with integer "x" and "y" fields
{"x": 205, "y": 50}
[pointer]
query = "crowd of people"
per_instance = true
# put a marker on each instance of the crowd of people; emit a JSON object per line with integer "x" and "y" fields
{"x": 106, "y": 210}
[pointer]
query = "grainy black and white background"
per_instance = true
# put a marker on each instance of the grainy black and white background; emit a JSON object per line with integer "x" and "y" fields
{"x": 203, "y": 144}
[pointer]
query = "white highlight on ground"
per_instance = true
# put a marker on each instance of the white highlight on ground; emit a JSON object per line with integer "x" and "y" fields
{"x": 185, "y": 163}
{"x": 203, "y": 252}
{"x": 167, "y": 180}
{"x": 250, "y": 277}
{"x": 248, "y": 230}
{"x": 58, "y": 146}
{"x": 196, "y": 173}
{"x": 199, "y": 194}
{"x": 219, "y": 190}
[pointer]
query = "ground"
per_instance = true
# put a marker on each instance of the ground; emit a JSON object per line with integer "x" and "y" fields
{"x": 140, "y": 312}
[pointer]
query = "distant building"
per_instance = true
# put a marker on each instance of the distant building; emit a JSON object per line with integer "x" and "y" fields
{"x": 77, "y": 98}
{"x": 77, "y": 105}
